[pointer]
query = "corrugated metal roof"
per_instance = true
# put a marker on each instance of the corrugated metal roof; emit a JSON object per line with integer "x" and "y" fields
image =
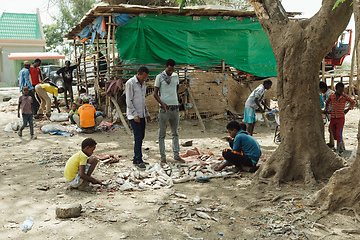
{"x": 34, "y": 55}
{"x": 19, "y": 26}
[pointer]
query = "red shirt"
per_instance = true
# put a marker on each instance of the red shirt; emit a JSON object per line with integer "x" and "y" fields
{"x": 35, "y": 75}
{"x": 338, "y": 105}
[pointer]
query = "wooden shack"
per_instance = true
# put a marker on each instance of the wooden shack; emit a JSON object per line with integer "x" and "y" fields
{"x": 214, "y": 71}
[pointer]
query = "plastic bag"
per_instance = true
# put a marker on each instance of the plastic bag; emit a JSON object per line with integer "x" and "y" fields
{"x": 53, "y": 127}
{"x": 13, "y": 126}
{"x": 127, "y": 186}
{"x": 59, "y": 117}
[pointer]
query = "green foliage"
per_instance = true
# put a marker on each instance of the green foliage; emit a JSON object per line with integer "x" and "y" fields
{"x": 70, "y": 14}
{"x": 338, "y": 2}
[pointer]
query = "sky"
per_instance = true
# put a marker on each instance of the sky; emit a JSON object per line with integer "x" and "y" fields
{"x": 47, "y": 9}
{"x": 308, "y": 7}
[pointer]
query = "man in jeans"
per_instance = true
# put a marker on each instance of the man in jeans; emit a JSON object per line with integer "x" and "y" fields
{"x": 166, "y": 86}
{"x": 136, "y": 111}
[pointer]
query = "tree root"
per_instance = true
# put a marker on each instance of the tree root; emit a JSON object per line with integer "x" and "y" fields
{"x": 351, "y": 209}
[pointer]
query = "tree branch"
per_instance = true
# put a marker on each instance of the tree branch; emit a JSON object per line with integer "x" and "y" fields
{"x": 269, "y": 10}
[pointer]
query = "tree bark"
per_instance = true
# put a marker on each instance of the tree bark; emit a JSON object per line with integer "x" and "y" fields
{"x": 299, "y": 46}
{"x": 343, "y": 189}
{"x": 357, "y": 37}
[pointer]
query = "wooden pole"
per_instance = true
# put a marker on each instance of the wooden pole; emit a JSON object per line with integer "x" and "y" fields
{"x": 113, "y": 50}
{"x": 85, "y": 77}
{"x": 97, "y": 79}
{"x": 352, "y": 72}
{"x": 78, "y": 80}
{"x": 113, "y": 100}
{"x": 323, "y": 70}
{"x": 332, "y": 82}
{"x": 196, "y": 110}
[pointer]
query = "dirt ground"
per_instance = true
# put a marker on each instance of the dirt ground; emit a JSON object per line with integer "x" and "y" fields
{"x": 32, "y": 185}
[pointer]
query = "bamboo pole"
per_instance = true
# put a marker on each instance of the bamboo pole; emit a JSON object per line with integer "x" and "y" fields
{"x": 323, "y": 70}
{"x": 85, "y": 77}
{"x": 107, "y": 98}
{"x": 352, "y": 72}
{"x": 113, "y": 49}
{"x": 196, "y": 110}
{"x": 97, "y": 79}
{"x": 78, "y": 80}
{"x": 121, "y": 115}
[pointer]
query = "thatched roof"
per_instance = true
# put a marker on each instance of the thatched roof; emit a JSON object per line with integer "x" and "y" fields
{"x": 104, "y": 9}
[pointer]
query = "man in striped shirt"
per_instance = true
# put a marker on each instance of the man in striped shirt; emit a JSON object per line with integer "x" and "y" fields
{"x": 337, "y": 101}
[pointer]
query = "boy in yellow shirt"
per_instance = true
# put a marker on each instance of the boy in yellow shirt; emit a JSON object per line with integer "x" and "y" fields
{"x": 79, "y": 167}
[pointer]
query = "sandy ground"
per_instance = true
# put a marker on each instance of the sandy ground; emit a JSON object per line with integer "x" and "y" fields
{"x": 32, "y": 184}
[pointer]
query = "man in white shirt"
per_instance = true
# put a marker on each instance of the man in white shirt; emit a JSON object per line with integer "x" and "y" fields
{"x": 253, "y": 102}
{"x": 165, "y": 92}
{"x": 136, "y": 111}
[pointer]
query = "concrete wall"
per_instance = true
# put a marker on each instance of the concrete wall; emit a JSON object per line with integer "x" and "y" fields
{"x": 9, "y": 69}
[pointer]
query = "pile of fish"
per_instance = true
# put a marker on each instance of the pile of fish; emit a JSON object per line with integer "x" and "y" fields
{"x": 166, "y": 176}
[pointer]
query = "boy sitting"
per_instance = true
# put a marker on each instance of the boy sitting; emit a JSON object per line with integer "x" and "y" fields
{"x": 245, "y": 149}
{"x": 79, "y": 167}
{"x": 72, "y": 112}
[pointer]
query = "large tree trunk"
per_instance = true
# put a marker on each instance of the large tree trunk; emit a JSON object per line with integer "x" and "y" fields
{"x": 299, "y": 47}
{"x": 343, "y": 189}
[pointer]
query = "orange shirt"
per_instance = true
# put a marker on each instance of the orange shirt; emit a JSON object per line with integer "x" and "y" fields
{"x": 87, "y": 115}
{"x": 35, "y": 75}
{"x": 338, "y": 105}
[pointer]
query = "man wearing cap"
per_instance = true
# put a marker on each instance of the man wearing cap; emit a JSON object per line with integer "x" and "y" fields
{"x": 24, "y": 79}
{"x": 87, "y": 119}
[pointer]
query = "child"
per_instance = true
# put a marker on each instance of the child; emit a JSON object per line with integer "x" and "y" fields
{"x": 245, "y": 149}
{"x": 80, "y": 166}
{"x": 25, "y": 104}
{"x": 83, "y": 94}
{"x": 326, "y": 92}
{"x": 337, "y": 101}
{"x": 73, "y": 112}
{"x": 253, "y": 102}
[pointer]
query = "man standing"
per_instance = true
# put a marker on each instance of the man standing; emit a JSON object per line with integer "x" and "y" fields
{"x": 36, "y": 78}
{"x": 136, "y": 111}
{"x": 67, "y": 76}
{"x": 253, "y": 102}
{"x": 24, "y": 77}
{"x": 167, "y": 86}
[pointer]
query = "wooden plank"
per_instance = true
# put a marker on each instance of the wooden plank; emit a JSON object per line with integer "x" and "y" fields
{"x": 196, "y": 110}
{"x": 113, "y": 100}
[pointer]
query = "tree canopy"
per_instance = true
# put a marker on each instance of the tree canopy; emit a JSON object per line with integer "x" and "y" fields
{"x": 70, "y": 13}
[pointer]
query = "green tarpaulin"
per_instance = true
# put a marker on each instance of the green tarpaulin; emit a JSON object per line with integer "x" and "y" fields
{"x": 156, "y": 38}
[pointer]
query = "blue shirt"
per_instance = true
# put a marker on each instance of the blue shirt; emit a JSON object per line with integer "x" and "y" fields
{"x": 24, "y": 79}
{"x": 245, "y": 143}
